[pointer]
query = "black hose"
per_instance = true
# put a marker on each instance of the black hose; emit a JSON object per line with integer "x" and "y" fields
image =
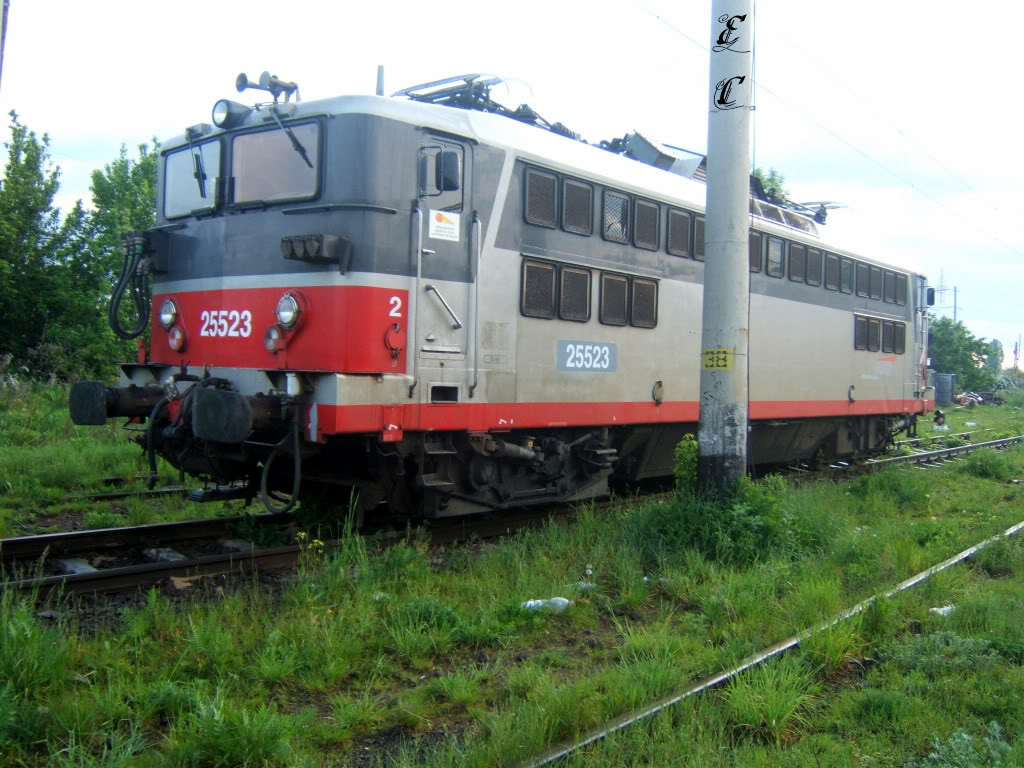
{"x": 133, "y": 279}
{"x": 265, "y": 496}
{"x": 150, "y": 452}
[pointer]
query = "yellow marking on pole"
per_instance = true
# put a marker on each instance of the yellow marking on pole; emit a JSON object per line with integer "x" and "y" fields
{"x": 717, "y": 359}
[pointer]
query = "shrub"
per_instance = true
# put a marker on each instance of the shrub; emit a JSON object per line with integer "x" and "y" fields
{"x": 959, "y": 751}
{"x": 685, "y": 466}
{"x": 988, "y": 464}
{"x": 942, "y": 653}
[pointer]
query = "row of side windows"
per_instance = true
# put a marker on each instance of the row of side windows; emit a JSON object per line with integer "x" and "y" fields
{"x": 874, "y": 334}
{"x": 635, "y": 220}
{"x": 624, "y": 219}
{"x": 814, "y": 266}
{"x": 551, "y": 290}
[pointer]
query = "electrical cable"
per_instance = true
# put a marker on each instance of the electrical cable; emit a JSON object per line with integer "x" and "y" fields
{"x": 150, "y": 450}
{"x": 133, "y": 279}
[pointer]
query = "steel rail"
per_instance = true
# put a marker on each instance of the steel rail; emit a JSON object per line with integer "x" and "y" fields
{"x": 942, "y": 453}
{"x": 135, "y": 576}
{"x": 930, "y": 438}
{"x": 33, "y": 547}
{"x": 592, "y": 736}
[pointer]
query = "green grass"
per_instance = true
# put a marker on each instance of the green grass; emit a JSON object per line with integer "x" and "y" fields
{"x": 431, "y": 648}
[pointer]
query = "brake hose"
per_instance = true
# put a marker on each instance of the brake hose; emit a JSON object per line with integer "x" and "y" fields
{"x": 265, "y": 496}
{"x": 150, "y": 452}
{"x": 132, "y": 278}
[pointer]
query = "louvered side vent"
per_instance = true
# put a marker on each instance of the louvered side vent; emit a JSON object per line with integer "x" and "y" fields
{"x": 698, "y": 238}
{"x": 874, "y": 334}
{"x": 679, "y": 233}
{"x": 901, "y": 289}
{"x": 578, "y": 208}
{"x": 900, "y": 341}
{"x": 645, "y": 303}
{"x": 541, "y": 194}
{"x": 645, "y": 226}
{"x": 616, "y": 217}
{"x": 538, "y": 289}
{"x": 574, "y": 299}
{"x": 614, "y": 300}
{"x": 860, "y": 332}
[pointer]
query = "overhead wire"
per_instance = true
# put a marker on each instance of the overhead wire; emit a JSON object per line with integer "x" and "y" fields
{"x": 846, "y": 142}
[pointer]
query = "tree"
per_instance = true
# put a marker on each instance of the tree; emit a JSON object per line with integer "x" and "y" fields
{"x": 36, "y": 245}
{"x": 995, "y": 356}
{"x": 954, "y": 349}
{"x": 773, "y": 183}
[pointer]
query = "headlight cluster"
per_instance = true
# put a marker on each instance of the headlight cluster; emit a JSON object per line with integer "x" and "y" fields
{"x": 169, "y": 322}
{"x": 288, "y": 312}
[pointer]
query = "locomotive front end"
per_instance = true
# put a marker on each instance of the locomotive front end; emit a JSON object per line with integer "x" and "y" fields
{"x": 259, "y": 313}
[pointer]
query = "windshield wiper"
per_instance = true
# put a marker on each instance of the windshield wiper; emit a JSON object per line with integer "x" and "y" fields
{"x": 296, "y": 144}
{"x": 197, "y": 164}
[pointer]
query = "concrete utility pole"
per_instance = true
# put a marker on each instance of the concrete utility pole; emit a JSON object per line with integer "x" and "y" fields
{"x": 725, "y": 334}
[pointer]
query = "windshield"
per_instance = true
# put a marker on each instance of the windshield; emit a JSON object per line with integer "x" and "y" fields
{"x": 183, "y": 192}
{"x": 268, "y": 166}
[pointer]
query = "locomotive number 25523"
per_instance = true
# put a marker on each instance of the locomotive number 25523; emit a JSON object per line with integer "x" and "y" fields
{"x": 226, "y": 322}
{"x": 599, "y": 357}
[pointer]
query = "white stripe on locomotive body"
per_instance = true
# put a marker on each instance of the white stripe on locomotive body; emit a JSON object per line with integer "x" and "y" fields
{"x": 799, "y": 351}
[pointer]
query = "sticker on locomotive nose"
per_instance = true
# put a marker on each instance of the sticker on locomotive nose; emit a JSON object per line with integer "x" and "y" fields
{"x": 444, "y": 225}
{"x": 599, "y": 357}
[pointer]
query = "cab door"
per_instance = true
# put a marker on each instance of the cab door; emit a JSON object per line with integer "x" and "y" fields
{"x": 445, "y": 283}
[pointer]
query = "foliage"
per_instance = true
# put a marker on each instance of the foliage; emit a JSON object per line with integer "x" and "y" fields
{"x": 685, "y": 466}
{"x": 57, "y": 268}
{"x": 942, "y": 653}
{"x": 959, "y": 751}
{"x": 954, "y": 349}
{"x": 773, "y": 183}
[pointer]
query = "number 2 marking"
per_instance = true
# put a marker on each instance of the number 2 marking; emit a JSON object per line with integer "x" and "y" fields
{"x": 396, "y": 307}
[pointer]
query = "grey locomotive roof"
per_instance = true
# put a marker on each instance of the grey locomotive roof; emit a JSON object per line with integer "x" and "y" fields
{"x": 526, "y": 142}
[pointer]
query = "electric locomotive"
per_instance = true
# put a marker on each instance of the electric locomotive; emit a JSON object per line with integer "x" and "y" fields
{"x": 434, "y": 302}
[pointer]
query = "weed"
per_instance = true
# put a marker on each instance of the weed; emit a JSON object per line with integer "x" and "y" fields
{"x": 102, "y": 518}
{"x": 942, "y": 653}
{"x": 357, "y": 715}
{"x": 214, "y": 735}
{"x": 766, "y": 703}
{"x": 260, "y": 534}
{"x": 33, "y": 658}
{"x": 879, "y": 708}
{"x": 989, "y": 464}
{"x": 685, "y": 466}
{"x": 959, "y": 751}
{"x": 115, "y": 748}
{"x": 459, "y": 689}
{"x": 829, "y": 649}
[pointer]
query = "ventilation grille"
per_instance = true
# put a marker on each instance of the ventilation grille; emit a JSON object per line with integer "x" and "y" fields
{"x": 889, "y": 289}
{"x": 645, "y": 234}
{"x": 755, "y": 251}
{"x": 876, "y": 283}
{"x": 831, "y": 271}
{"x": 776, "y": 257}
{"x": 541, "y": 189}
{"x": 614, "y": 299}
{"x": 574, "y": 302}
{"x": 698, "y": 238}
{"x": 645, "y": 303}
{"x": 874, "y": 332}
{"x": 860, "y": 332}
{"x": 846, "y": 276}
{"x": 887, "y": 336}
{"x": 679, "y": 233}
{"x": 616, "y": 217}
{"x": 797, "y": 262}
{"x": 901, "y": 289}
{"x": 578, "y": 208}
{"x": 813, "y": 267}
{"x": 900, "y": 339}
{"x": 538, "y": 289}
{"x": 863, "y": 276}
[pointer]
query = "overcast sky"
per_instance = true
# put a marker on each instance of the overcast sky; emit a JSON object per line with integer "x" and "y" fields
{"x": 902, "y": 111}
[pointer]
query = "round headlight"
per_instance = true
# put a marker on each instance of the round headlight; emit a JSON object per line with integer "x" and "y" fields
{"x": 221, "y": 111}
{"x": 168, "y": 314}
{"x": 287, "y": 310}
{"x": 176, "y": 339}
{"x": 272, "y": 338}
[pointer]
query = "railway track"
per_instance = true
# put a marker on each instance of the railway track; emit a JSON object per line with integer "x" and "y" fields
{"x": 567, "y": 748}
{"x": 152, "y": 559}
